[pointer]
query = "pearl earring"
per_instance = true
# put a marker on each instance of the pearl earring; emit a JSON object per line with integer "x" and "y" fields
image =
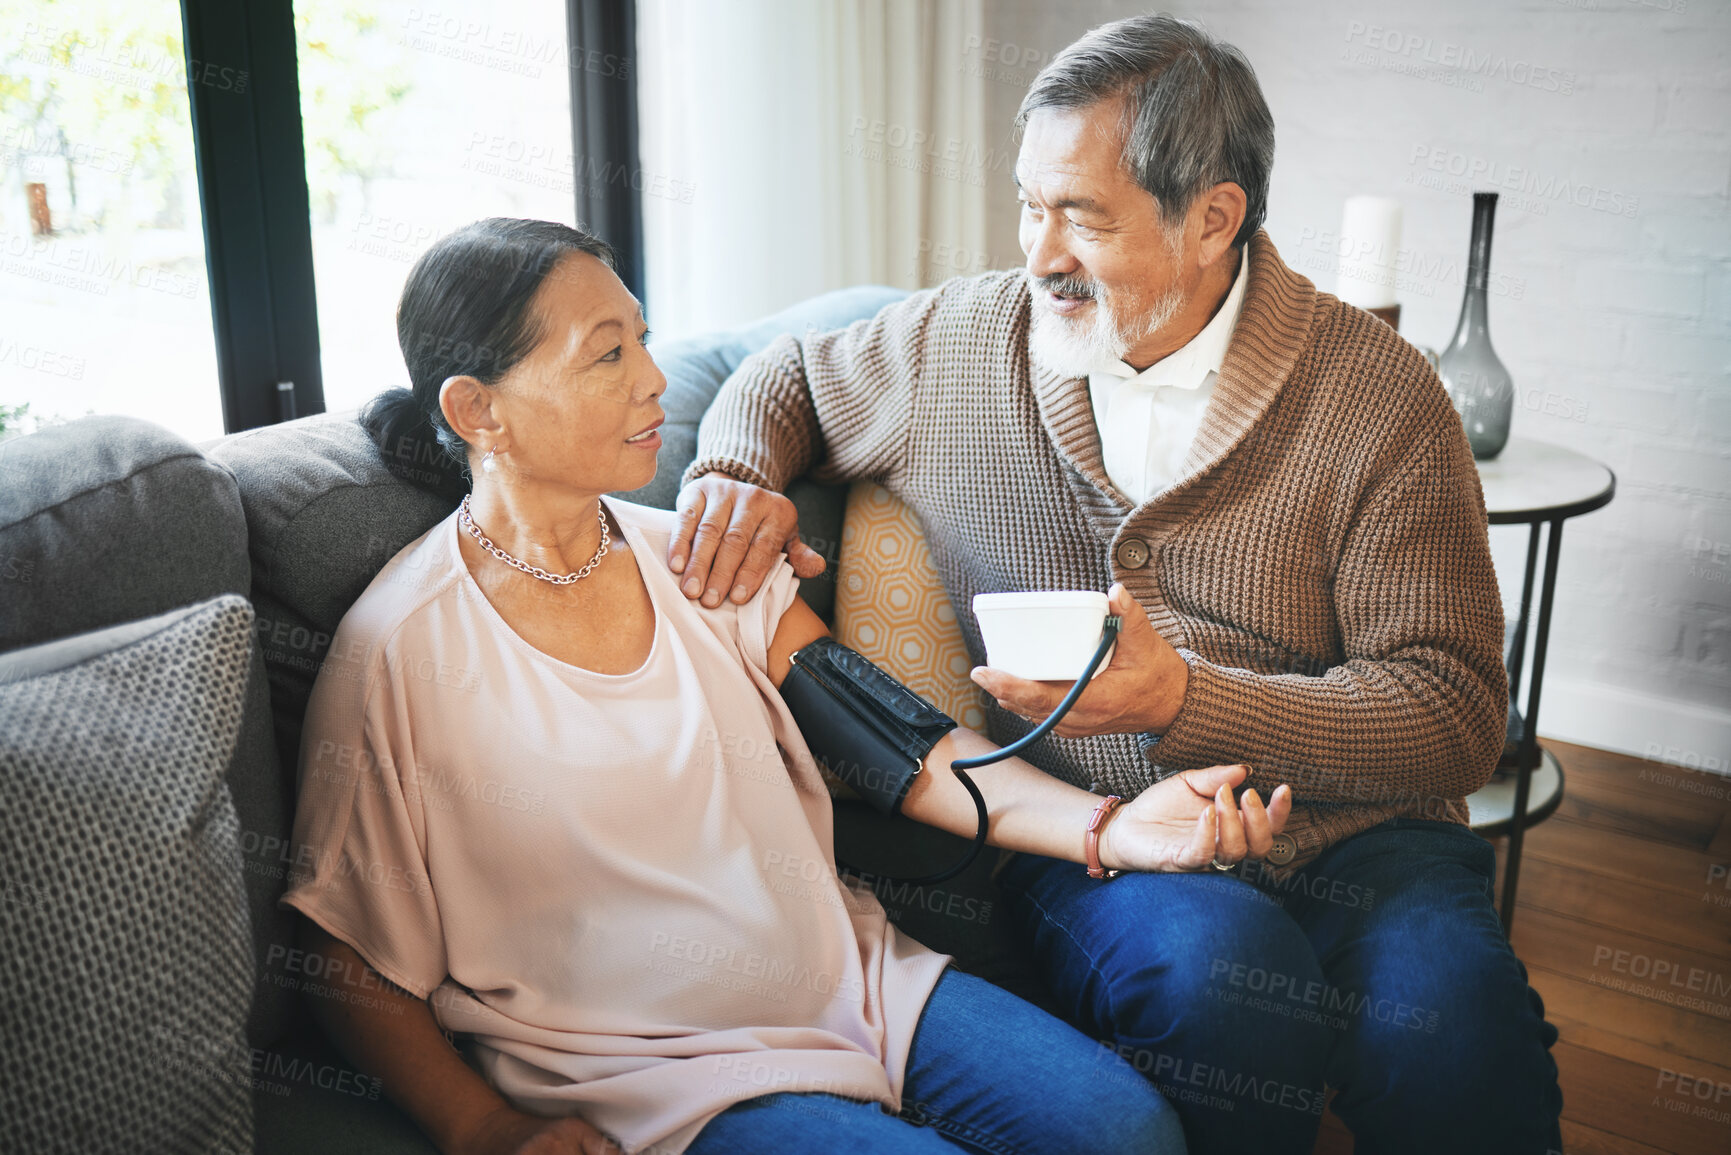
{"x": 488, "y": 465}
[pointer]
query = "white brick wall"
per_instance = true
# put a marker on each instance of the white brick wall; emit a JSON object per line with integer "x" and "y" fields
{"x": 1606, "y": 124}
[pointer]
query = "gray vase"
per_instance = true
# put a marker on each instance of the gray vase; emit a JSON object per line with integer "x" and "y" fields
{"x": 1481, "y": 389}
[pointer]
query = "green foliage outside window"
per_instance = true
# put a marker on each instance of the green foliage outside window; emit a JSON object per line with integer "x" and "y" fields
{"x": 98, "y": 89}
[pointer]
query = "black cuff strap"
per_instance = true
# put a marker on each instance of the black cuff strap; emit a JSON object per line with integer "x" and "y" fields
{"x": 872, "y": 732}
{"x": 862, "y": 725}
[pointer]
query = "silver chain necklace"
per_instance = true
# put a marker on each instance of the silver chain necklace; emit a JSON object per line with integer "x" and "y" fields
{"x": 467, "y": 521}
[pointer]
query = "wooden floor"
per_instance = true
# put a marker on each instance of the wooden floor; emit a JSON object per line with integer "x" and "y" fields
{"x": 1624, "y": 922}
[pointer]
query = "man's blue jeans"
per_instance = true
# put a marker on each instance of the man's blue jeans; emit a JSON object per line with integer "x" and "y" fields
{"x": 1380, "y": 969}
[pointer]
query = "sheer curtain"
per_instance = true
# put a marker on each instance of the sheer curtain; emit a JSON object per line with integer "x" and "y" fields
{"x": 790, "y": 147}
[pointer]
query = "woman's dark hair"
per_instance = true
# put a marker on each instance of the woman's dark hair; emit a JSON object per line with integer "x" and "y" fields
{"x": 465, "y": 311}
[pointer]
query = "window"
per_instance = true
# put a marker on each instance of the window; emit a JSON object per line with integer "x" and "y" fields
{"x": 208, "y": 208}
{"x": 419, "y": 119}
{"x": 104, "y": 301}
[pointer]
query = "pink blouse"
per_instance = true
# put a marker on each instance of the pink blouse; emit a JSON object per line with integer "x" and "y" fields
{"x": 622, "y": 886}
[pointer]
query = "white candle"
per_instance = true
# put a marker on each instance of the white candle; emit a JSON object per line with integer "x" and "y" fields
{"x": 1369, "y": 244}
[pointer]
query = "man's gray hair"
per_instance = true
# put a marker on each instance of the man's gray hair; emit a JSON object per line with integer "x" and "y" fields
{"x": 1194, "y": 115}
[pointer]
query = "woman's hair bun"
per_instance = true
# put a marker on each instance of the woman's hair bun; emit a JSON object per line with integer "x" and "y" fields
{"x": 414, "y": 449}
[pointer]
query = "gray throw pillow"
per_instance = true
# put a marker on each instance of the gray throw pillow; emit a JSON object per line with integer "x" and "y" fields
{"x": 123, "y": 920}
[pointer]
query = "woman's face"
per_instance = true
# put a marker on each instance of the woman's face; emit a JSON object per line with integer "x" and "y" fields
{"x": 576, "y": 409}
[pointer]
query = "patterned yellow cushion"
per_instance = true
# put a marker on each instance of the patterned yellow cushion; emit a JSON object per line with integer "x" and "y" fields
{"x": 891, "y": 607}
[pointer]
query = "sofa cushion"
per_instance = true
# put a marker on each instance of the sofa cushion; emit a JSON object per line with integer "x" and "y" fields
{"x": 892, "y": 607}
{"x": 323, "y": 516}
{"x": 109, "y": 519}
{"x": 123, "y": 930}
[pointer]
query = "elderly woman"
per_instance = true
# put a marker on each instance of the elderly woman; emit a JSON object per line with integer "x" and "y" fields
{"x": 549, "y": 800}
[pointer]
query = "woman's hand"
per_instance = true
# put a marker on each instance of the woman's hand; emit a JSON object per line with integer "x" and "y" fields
{"x": 1188, "y": 821}
{"x": 511, "y": 1132}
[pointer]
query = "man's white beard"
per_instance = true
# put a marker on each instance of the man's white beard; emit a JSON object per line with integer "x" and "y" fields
{"x": 1075, "y": 347}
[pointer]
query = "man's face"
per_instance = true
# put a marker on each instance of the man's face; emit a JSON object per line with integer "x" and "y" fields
{"x": 1106, "y": 272}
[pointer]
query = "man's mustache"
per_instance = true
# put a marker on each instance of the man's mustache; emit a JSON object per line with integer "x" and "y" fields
{"x": 1068, "y": 286}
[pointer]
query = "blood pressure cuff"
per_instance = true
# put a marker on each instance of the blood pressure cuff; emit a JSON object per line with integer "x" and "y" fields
{"x": 861, "y": 724}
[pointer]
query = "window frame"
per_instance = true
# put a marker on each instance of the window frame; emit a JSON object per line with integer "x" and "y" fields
{"x": 256, "y": 213}
{"x": 607, "y": 173}
{"x": 257, "y": 223}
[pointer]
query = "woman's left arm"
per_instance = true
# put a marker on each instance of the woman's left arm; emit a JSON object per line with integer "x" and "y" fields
{"x": 1179, "y": 823}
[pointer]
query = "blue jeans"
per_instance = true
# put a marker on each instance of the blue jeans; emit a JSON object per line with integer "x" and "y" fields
{"x": 987, "y": 1073}
{"x": 1380, "y": 969}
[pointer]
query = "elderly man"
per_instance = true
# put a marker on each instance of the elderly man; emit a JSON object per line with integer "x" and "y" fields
{"x": 1282, "y": 499}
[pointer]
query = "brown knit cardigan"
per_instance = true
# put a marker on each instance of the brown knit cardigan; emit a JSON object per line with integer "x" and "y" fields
{"x": 1321, "y": 563}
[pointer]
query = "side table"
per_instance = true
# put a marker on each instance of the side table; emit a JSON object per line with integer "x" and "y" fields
{"x": 1535, "y": 484}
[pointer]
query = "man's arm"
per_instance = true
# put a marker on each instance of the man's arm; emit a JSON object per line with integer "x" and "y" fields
{"x": 838, "y": 404}
{"x": 1416, "y": 710}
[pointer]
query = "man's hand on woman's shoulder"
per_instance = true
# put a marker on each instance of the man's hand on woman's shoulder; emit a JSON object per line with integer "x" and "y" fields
{"x": 728, "y": 536}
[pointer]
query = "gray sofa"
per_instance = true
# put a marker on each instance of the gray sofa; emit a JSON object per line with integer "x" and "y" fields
{"x": 113, "y": 519}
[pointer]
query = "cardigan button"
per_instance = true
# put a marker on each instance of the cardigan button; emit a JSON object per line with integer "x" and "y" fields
{"x": 1132, "y": 553}
{"x": 1284, "y": 850}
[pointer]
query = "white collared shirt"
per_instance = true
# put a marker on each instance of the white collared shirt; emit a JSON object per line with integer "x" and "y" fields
{"x": 1147, "y": 420}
